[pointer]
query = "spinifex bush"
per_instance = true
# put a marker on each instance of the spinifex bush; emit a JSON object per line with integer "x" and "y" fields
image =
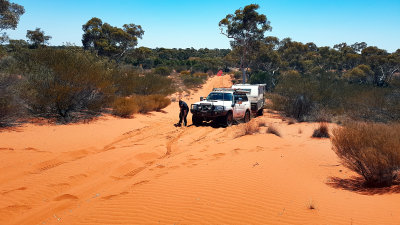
{"x": 322, "y": 131}
{"x": 370, "y": 149}
{"x": 124, "y": 107}
{"x": 249, "y": 128}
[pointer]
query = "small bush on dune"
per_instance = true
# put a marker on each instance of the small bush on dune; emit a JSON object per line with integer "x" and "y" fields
{"x": 249, "y": 128}
{"x": 273, "y": 130}
{"x": 194, "y": 80}
{"x": 10, "y": 107}
{"x": 322, "y": 131}
{"x": 124, "y": 107}
{"x": 59, "y": 82}
{"x": 262, "y": 123}
{"x": 370, "y": 149}
{"x": 163, "y": 71}
{"x": 151, "y": 103}
{"x": 185, "y": 72}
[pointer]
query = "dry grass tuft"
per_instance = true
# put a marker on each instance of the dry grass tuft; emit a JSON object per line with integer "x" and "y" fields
{"x": 262, "y": 123}
{"x": 249, "y": 128}
{"x": 370, "y": 149}
{"x": 311, "y": 205}
{"x": 291, "y": 121}
{"x": 322, "y": 131}
{"x": 125, "y": 107}
{"x": 273, "y": 130}
{"x": 300, "y": 131}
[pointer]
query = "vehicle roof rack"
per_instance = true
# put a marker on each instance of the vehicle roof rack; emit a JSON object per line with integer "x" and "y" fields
{"x": 239, "y": 91}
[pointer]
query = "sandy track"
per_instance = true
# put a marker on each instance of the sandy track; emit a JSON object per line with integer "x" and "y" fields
{"x": 146, "y": 171}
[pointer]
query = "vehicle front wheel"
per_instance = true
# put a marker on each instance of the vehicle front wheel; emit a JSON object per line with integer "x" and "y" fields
{"x": 196, "y": 120}
{"x": 246, "y": 117}
{"x": 228, "y": 119}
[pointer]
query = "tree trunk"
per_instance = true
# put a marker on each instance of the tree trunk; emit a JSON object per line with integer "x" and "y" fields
{"x": 244, "y": 75}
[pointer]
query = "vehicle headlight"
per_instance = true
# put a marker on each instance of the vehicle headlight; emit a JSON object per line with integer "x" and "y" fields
{"x": 219, "y": 108}
{"x": 194, "y": 107}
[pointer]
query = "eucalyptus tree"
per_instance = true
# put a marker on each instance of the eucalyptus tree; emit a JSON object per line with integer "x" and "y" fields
{"x": 246, "y": 26}
{"x": 37, "y": 38}
{"x": 109, "y": 40}
{"x": 9, "y": 16}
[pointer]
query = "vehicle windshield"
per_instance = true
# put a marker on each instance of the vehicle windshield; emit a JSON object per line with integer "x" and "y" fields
{"x": 220, "y": 96}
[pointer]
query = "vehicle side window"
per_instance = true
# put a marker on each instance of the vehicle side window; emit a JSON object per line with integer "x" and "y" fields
{"x": 227, "y": 96}
{"x": 243, "y": 97}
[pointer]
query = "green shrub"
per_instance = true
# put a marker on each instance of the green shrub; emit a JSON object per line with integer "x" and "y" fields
{"x": 370, "y": 149}
{"x": 10, "y": 104}
{"x": 163, "y": 70}
{"x": 238, "y": 75}
{"x": 263, "y": 78}
{"x": 204, "y": 76}
{"x": 62, "y": 81}
{"x": 124, "y": 107}
{"x": 151, "y": 84}
{"x": 160, "y": 101}
{"x": 195, "y": 80}
{"x": 361, "y": 74}
{"x": 185, "y": 72}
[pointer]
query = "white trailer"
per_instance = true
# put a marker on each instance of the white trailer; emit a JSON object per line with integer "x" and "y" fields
{"x": 255, "y": 96}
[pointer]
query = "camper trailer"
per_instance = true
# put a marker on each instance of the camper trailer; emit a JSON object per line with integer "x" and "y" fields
{"x": 255, "y": 96}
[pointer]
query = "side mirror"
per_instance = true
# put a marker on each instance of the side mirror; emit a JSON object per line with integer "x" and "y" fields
{"x": 201, "y": 98}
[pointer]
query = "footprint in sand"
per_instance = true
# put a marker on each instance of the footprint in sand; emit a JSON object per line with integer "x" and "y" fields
{"x": 59, "y": 185}
{"x": 218, "y": 155}
{"x": 13, "y": 190}
{"x": 135, "y": 171}
{"x": 47, "y": 165}
{"x": 78, "y": 176}
{"x": 17, "y": 208}
{"x": 141, "y": 182}
{"x": 66, "y": 197}
{"x": 108, "y": 197}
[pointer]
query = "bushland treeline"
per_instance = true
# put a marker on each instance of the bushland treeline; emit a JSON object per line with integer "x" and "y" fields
{"x": 306, "y": 82}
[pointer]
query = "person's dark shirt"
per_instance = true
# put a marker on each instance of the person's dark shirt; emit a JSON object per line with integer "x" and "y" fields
{"x": 183, "y": 106}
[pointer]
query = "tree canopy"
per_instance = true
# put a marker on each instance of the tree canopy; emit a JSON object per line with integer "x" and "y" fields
{"x": 246, "y": 27}
{"x": 9, "y": 16}
{"x": 37, "y": 38}
{"x": 109, "y": 40}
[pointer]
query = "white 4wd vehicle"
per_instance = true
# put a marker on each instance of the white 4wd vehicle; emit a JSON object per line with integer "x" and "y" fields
{"x": 222, "y": 105}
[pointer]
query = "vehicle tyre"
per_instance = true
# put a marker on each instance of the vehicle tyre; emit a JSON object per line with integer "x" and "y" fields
{"x": 260, "y": 112}
{"x": 228, "y": 119}
{"x": 246, "y": 117}
{"x": 196, "y": 120}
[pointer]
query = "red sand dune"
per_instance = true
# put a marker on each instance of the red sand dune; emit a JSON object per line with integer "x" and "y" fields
{"x": 146, "y": 171}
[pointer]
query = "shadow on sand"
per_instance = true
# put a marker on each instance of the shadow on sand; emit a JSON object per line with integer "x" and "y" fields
{"x": 357, "y": 184}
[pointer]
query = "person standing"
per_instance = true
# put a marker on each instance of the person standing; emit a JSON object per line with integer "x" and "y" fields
{"x": 184, "y": 110}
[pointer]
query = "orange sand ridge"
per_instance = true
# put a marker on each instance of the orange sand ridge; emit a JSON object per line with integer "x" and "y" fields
{"x": 146, "y": 171}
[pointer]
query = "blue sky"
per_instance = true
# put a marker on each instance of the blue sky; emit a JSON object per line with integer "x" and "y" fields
{"x": 190, "y": 23}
